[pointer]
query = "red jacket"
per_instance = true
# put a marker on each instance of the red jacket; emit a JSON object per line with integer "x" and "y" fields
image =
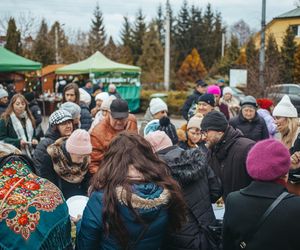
{"x": 101, "y": 136}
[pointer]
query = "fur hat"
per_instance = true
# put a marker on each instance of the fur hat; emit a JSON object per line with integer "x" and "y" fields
{"x": 194, "y": 122}
{"x": 268, "y": 160}
{"x": 214, "y": 90}
{"x": 159, "y": 140}
{"x": 285, "y": 108}
{"x": 79, "y": 143}
{"x": 156, "y": 105}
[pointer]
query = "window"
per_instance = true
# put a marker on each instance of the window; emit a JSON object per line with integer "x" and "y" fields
{"x": 294, "y": 90}
{"x": 296, "y": 29}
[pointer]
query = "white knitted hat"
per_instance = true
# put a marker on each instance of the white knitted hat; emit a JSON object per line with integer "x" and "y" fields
{"x": 285, "y": 108}
{"x": 85, "y": 96}
{"x": 227, "y": 90}
{"x": 156, "y": 105}
{"x": 194, "y": 122}
{"x": 102, "y": 96}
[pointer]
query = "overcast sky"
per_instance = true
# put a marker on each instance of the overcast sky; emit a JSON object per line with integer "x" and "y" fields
{"x": 77, "y": 14}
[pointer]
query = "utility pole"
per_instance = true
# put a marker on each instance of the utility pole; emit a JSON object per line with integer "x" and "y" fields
{"x": 223, "y": 44}
{"x": 262, "y": 46}
{"x": 56, "y": 44}
{"x": 167, "y": 50}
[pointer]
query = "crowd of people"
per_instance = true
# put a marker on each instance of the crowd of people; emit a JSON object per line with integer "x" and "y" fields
{"x": 150, "y": 186}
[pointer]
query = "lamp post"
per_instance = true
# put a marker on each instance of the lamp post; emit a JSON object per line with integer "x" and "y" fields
{"x": 167, "y": 52}
{"x": 262, "y": 46}
{"x": 56, "y": 30}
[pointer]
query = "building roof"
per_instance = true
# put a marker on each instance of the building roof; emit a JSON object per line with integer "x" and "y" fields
{"x": 51, "y": 68}
{"x": 290, "y": 14}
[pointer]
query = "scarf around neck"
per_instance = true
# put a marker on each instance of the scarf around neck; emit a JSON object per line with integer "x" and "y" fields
{"x": 20, "y": 131}
{"x": 64, "y": 167}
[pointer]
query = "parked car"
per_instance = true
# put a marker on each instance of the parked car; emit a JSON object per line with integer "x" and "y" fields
{"x": 276, "y": 92}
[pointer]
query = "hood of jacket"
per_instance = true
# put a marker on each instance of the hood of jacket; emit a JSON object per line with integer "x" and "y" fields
{"x": 147, "y": 199}
{"x": 186, "y": 165}
{"x": 229, "y": 138}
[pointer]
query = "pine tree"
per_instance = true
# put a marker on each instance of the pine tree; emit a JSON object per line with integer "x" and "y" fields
{"x": 233, "y": 49}
{"x": 297, "y": 65}
{"x": 97, "y": 36}
{"x": 126, "y": 33}
{"x": 64, "y": 53}
{"x": 251, "y": 51}
{"x": 138, "y": 35}
{"x": 182, "y": 34}
{"x": 160, "y": 22}
{"x": 288, "y": 51}
{"x": 111, "y": 50}
{"x": 13, "y": 37}
{"x": 42, "y": 49}
{"x": 195, "y": 32}
{"x": 125, "y": 55}
{"x": 151, "y": 61}
{"x": 192, "y": 68}
{"x": 272, "y": 63}
{"x": 242, "y": 59}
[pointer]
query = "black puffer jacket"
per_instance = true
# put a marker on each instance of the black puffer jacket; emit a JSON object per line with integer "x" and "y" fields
{"x": 189, "y": 102}
{"x": 85, "y": 117}
{"x": 200, "y": 187}
{"x": 2, "y": 108}
{"x": 36, "y": 112}
{"x": 228, "y": 160}
{"x": 255, "y": 129}
{"x": 42, "y": 160}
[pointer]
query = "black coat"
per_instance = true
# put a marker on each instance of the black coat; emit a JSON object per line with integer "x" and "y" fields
{"x": 255, "y": 130}
{"x": 85, "y": 117}
{"x": 200, "y": 187}
{"x": 2, "y": 108}
{"x": 188, "y": 103}
{"x": 244, "y": 208}
{"x": 36, "y": 112}
{"x": 228, "y": 160}
{"x": 41, "y": 158}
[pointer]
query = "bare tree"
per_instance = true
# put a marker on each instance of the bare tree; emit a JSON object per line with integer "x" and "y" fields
{"x": 242, "y": 31}
{"x": 297, "y": 3}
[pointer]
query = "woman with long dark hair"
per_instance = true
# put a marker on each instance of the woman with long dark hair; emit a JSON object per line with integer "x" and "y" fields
{"x": 17, "y": 125}
{"x": 133, "y": 199}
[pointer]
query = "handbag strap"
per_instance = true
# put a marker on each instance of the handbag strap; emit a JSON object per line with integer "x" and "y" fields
{"x": 251, "y": 233}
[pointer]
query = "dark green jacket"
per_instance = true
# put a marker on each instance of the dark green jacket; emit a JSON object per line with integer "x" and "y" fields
{"x": 8, "y": 133}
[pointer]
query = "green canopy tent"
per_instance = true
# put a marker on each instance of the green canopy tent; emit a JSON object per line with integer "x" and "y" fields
{"x": 11, "y": 62}
{"x": 101, "y": 66}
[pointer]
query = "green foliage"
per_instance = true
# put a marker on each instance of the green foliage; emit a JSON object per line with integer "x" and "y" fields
{"x": 43, "y": 50}
{"x": 297, "y": 65}
{"x": 111, "y": 50}
{"x": 138, "y": 35}
{"x": 175, "y": 100}
{"x": 126, "y": 33}
{"x": 151, "y": 61}
{"x": 251, "y": 51}
{"x": 192, "y": 68}
{"x": 97, "y": 34}
{"x": 288, "y": 51}
{"x": 13, "y": 37}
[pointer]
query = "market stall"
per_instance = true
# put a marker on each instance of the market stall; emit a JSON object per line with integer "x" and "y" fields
{"x": 102, "y": 69}
{"x": 10, "y": 63}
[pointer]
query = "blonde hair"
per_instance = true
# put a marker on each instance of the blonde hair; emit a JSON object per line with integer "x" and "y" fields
{"x": 289, "y": 136}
